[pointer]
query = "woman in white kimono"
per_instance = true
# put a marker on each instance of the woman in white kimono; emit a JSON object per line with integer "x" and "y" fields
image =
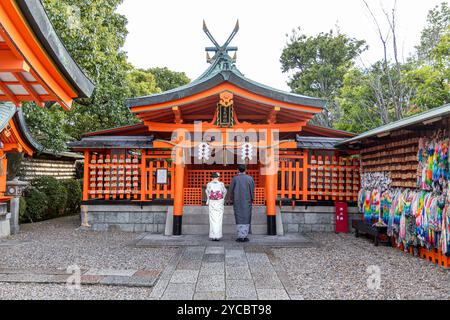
{"x": 215, "y": 193}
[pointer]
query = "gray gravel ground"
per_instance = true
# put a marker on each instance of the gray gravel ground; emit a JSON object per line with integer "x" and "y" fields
{"x": 30, "y": 291}
{"x": 57, "y": 244}
{"x": 338, "y": 270}
{"x": 335, "y": 270}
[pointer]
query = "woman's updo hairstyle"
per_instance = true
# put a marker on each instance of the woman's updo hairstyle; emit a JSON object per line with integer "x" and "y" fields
{"x": 215, "y": 175}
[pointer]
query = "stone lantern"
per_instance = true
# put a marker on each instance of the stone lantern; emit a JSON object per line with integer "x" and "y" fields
{"x": 15, "y": 189}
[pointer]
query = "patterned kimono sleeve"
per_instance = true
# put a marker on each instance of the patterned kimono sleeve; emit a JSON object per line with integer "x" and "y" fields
{"x": 208, "y": 192}
{"x": 224, "y": 190}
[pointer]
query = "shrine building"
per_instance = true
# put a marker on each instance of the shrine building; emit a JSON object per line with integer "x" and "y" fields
{"x": 34, "y": 67}
{"x": 151, "y": 176}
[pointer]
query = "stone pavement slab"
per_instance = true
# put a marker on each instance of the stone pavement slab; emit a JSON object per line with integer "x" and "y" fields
{"x": 214, "y": 295}
{"x": 128, "y": 281}
{"x": 175, "y": 291}
{"x": 211, "y": 283}
{"x": 238, "y": 289}
{"x": 213, "y": 257}
{"x": 215, "y": 250}
{"x": 111, "y": 272}
{"x": 272, "y": 294}
{"x": 237, "y": 273}
{"x": 211, "y": 268}
{"x": 184, "y": 276}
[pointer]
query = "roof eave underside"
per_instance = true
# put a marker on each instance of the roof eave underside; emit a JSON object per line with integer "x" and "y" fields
{"x": 221, "y": 77}
{"x": 317, "y": 143}
{"x": 443, "y": 111}
{"x": 40, "y": 24}
{"x": 113, "y": 142}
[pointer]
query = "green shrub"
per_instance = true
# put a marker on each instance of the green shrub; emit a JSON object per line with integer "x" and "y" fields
{"x": 74, "y": 195}
{"x": 36, "y": 205}
{"x": 56, "y": 194}
{"x": 22, "y": 209}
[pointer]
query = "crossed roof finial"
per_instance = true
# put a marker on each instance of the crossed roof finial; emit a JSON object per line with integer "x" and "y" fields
{"x": 221, "y": 51}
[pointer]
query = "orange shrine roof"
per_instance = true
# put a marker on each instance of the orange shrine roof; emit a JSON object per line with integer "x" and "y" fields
{"x": 252, "y": 101}
{"x": 34, "y": 64}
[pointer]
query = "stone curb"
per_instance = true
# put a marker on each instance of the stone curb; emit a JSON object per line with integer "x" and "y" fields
{"x": 139, "y": 278}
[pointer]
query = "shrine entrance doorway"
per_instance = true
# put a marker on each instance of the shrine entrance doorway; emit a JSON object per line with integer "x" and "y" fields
{"x": 198, "y": 176}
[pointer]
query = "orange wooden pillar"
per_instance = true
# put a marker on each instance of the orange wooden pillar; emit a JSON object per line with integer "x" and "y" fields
{"x": 271, "y": 186}
{"x": 179, "y": 189}
{"x": 86, "y": 181}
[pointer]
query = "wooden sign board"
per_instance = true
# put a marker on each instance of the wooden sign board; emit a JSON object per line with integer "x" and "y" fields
{"x": 161, "y": 176}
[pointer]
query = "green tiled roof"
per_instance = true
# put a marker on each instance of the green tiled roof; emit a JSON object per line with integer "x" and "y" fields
{"x": 7, "y": 111}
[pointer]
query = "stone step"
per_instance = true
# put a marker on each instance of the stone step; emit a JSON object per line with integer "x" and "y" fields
{"x": 228, "y": 210}
{"x": 201, "y": 229}
{"x": 227, "y": 219}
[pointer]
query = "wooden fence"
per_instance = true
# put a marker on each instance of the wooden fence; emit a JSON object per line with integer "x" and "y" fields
{"x": 300, "y": 178}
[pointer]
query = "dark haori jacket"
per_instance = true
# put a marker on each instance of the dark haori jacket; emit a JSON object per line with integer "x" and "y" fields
{"x": 242, "y": 189}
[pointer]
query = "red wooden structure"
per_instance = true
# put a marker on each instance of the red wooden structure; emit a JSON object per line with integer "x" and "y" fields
{"x": 238, "y": 121}
{"x": 34, "y": 66}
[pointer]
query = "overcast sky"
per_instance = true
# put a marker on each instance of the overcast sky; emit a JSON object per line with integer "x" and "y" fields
{"x": 169, "y": 33}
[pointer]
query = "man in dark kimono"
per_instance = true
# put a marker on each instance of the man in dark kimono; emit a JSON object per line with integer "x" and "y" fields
{"x": 242, "y": 192}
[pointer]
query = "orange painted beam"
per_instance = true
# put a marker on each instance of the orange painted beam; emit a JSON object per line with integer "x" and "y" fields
{"x": 18, "y": 138}
{"x": 19, "y": 37}
{"x": 287, "y": 145}
{"x": 161, "y": 144}
{"x": 22, "y": 98}
{"x": 169, "y": 127}
{"x": 10, "y": 63}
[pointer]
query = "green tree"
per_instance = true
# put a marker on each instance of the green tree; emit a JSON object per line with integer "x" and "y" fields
{"x": 141, "y": 83}
{"x": 318, "y": 65}
{"x": 48, "y": 125}
{"x": 429, "y": 79}
{"x": 167, "y": 79}
{"x": 94, "y": 34}
{"x": 438, "y": 21}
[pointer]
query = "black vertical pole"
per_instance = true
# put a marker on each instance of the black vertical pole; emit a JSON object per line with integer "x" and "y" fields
{"x": 271, "y": 226}
{"x": 177, "y": 224}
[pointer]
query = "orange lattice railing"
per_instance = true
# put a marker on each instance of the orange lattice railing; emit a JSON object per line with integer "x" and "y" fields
{"x": 200, "y": 178}
{"x": 196, "y": 197}
{"x": 323, "y": 178}
{"x": 153, "y": 190}
{"x": 193, "y": 196}
{"x": 122, "y": 176}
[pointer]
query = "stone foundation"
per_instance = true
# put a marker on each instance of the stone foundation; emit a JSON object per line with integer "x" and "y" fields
{"x": 152, "y": 219}
{"x": 130, "y": 218}
{"x": 5, "y": 227}
{"x": 313, "y": 218}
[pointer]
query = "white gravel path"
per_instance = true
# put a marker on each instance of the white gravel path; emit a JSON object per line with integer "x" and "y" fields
{"x": 338, "y": 270}
{"x": 57, "y": 244}
{"x": 335, "y": 270}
